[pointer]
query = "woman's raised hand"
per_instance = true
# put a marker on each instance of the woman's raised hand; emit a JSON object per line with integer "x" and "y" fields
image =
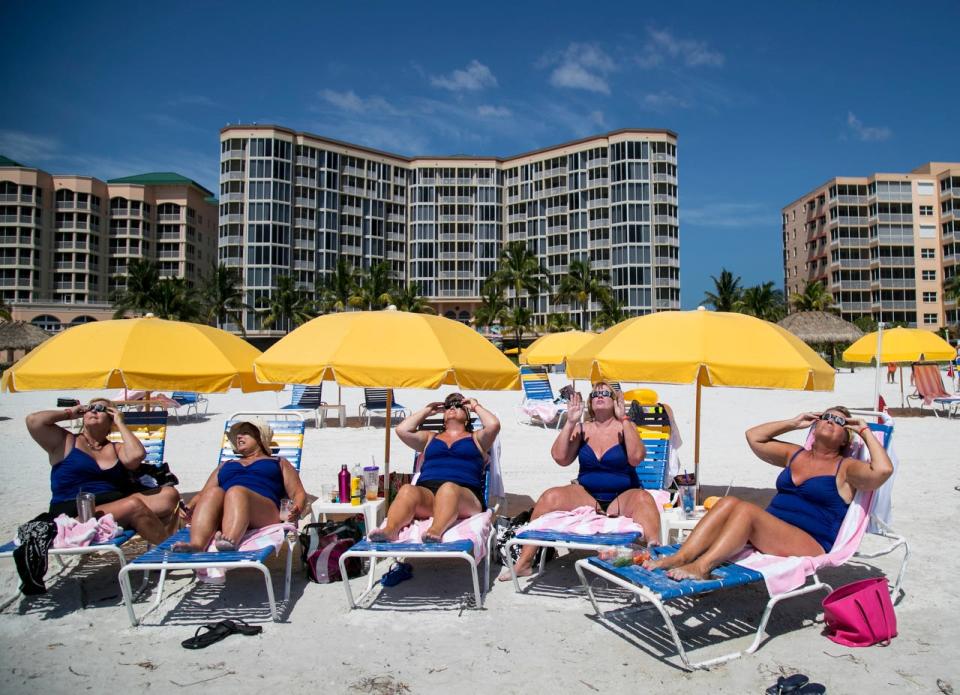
{"x": 434, "y": 408}
{"x": 855, "y": 424}
{"x": 805, "y": 420}
{"x": 116, "y": 414}
{"x": 470, "y": 404}
{"x": 619, "y": 405}
{"x": 575, "y": 408}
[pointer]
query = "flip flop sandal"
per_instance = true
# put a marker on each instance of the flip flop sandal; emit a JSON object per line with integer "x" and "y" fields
{"x": 400, "y": 572}
{"x": 219, "y": 631}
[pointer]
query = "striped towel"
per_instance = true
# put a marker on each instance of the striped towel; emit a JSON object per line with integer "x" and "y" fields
{"x": 475, "y": 529}
{"x": 256, "y": 539}
{"x": 585, "y": 521}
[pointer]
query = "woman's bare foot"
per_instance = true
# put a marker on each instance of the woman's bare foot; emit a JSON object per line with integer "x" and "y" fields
{"x": 431, "y": 536}
{"x": 664, "y": 562}
{"x": 223, "y": 544}
{"x": 382, "y": 535}
{"x": 691, "y": 571}
{"x": 520, "y": 570}
{"x": 182, "y": 547}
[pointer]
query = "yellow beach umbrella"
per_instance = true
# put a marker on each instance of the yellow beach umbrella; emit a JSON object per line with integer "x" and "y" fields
{"x": 513, "y": 352}
{"x": 144, "y": 354}
{"x": 392, "y": 349}
{"x": 554, "y": 348}
{"x": 706, "y": 347}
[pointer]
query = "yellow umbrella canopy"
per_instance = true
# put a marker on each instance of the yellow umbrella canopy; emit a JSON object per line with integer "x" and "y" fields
{"x": 144, "y": 354}
{"x": 707, "y": 347}
{"x": 901, "y": 345}
{"x": 554, "y": 348}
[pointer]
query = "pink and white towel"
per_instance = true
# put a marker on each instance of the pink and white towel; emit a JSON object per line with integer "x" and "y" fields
{"x": 271, "y": 536}
{"x": 74, "y": 534}
{"x": 476, "y": 529}
{"x": 545, "y": 412}
{"x": 585, "y": 521}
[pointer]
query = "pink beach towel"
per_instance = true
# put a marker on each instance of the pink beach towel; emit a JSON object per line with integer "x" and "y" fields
{"x": 267, "y": 537}
{"x": 74, "y": 534}
{"x": 585, "y": 521}
{"x": 545, "y": 412}
{"x": 475, "y": 529}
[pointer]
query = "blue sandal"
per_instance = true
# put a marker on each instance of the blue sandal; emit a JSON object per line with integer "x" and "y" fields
{"x": 400, "y": 572}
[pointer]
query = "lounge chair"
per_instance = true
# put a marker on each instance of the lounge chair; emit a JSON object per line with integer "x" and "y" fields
{"x": 654, "y": 586}
{"x": 375, "y": 405}
{"x": 189, "y": 400}
{"x": 307, "y": 399}
{"x": 151, "y": 429}
{"x": 539, "y": 403}
{"x": 653, "y": 473}
{"x": 287, "y": 442}
{"x": 930, "y": 390}
{"x": 452, "y": 550}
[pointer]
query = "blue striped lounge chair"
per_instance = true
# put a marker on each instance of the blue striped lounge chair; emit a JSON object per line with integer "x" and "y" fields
{"x": 655, "y": 587}
{"x": 307, "y": 399}
{"x": 151, "y": 429}
{"x": 375, "y": 405}
{"x": 454, "y": 550}
{"x": 538, "y": 392}
{"x": 288, "y": 429}
{"x": 653, "y": 475}
{"x": 189, "y": 400}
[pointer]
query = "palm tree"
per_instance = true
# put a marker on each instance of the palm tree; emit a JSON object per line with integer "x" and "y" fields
{"x": 813, "y": 298}
{"x": 143, "y": 277}
{"x": 611, "y": 313}
{"x": 4, "y": 310}
{"x": 727, "y": 293}
{"x": 223, "y": 296}
{"x": 375, "y": 290}
{"x": 762, "y": 301}
{"x": 581, "y": 284}
{"x": 519, "y": 320}
{"x": 409, "y": 299}
{"x": 951, "y": 288}
{"x": 336, "y": 289}
{"x": 286, "y": 302}
{"x": 558, "y": 323}
{"x": 493, "y": 307}
{"x": 174, "y": 299}
{"x": 519, "y": 270}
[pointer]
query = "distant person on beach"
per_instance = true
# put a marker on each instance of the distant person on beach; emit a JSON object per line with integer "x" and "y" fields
{"x": 814, "y": 490}
{"x": 451, "y": 481}
{"x": 243, "y": 493}
{"x": 892, "y": 373}
{"x": 88, "y": 462}
{"x": 608, "y": 449}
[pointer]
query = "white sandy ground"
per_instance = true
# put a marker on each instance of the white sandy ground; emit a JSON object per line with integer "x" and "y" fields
{"x": 420, "y": 636}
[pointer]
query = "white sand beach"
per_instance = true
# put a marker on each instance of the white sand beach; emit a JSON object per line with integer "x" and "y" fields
{"x": 422, "y": 636}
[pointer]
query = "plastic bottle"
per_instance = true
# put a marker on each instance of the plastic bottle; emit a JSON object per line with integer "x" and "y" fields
{"x": 343, "y": 482}
{"x": 356, "y": 486}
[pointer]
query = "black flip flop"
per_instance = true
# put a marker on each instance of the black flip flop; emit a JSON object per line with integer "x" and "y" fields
{"x": 215, "y": 633}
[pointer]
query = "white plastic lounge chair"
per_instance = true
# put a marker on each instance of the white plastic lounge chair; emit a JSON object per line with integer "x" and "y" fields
{"x": 539, "y": 404}
{"x": 375, "y": 405}
{"x": 656, "y": 588}
{"x": 287, "y": 442}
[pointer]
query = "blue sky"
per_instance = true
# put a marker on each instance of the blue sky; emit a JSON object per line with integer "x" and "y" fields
{"x": 768, "y": 101}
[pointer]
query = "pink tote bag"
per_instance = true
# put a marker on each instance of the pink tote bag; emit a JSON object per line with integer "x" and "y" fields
{"x": 860, "y": 614}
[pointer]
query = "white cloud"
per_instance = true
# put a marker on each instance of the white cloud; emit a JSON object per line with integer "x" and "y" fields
{"x": 867, "y": 133}
{"x": 663, "y": 45}
{"x": 581, "y": 66}
{"x": 349, "y": 101}
{"x": 26, "y": 148}
{"x": 727, "y": 215}
{"x": 663, "y": 101}
{"x": 488, "y": 111}
{"x": 474, "y": 77}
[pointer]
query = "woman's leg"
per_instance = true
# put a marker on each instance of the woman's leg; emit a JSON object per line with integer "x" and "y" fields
{"x": 207, "y": 513}
{"x": 132, "y": 512}
{"x": 451, "y": 502}
{"x": 703, "y": 536}
{"x": 244, "y": 509}
{"x": 162, "y": 501}
{"x": 556, "y": 499}
{"x": 639, "y": 506}
{"x": 412, "y": 502}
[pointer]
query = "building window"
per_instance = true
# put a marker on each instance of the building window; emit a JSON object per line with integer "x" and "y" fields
{"x": 924, "y": 187}
{"x": 926, "y": 210}
{"x": 929, "y": 297}
{"x": 930, "y": 319}
{"x": 928, "y": 274}
{"x": 928, "y": 253}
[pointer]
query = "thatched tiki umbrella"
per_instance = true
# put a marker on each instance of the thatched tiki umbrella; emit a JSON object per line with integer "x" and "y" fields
{"x": 18, "y": 338}
{"x": 814, "y": 327}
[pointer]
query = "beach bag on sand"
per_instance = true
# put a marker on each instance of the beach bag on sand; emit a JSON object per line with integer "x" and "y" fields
{"x": 321, "y": 546}
{"x": 860, "y": 614}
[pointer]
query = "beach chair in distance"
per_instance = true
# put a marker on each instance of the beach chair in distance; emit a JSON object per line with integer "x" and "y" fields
{"x": 288, "y": 429}
{"x": 189, "y": 400}
{"x": 539, "y": 403}
{"x": 375, "y": 404}
{"x": 930, "y": 390}
{"x": 307, "y": 399}
{"x": 655, "y": 587}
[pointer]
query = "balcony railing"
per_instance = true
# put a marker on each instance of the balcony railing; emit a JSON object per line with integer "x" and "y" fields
{"x": 664, "y": 178}
{"x": 598, "y": 223}
{"x": 666, "y": 261}
{"x": 597, "y": 203}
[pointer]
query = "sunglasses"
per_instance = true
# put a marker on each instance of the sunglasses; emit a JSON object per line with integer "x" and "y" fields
{"x": 453, "y": 405}
{"x": 835, "y": 419}
{"x": 97, "y": 408}
{"x": 601, "y": 394}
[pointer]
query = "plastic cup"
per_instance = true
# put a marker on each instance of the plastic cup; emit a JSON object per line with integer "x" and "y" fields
{"x": 688, "y": 496}
{"x": 286, "y": 506}
{"x": 371, "y": 481}
{"x": 86, "y": 504}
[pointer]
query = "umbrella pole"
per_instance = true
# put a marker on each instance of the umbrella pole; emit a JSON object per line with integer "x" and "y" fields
{"x": 902, "y": 402}
{"x": 696, "y": 444}
{"x": 386, "y": 452}
{"x": 876, "y": 380}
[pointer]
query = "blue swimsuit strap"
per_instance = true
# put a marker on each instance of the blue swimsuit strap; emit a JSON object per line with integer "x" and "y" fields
{"x": 802, "y": 449}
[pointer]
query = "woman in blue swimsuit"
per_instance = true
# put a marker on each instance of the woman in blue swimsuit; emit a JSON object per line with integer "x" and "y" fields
{"x": 450, "y": 485}
{"x": 89, "y": 462}
{"x": 243, "y": 493}
{"x": 814, "y": 491}
{"x": 608, "y": 449}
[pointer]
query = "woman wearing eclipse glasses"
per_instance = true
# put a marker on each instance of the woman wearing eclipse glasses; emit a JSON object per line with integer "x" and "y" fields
{"x": 814, "y": 491}
{"x": 89, "y": 462}
{"x": 450, "y": 485}
{"x": 608, "y": 450}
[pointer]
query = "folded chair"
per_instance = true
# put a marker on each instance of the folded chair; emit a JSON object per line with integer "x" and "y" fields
{"x": 307, "y": 399}
{"x": 539, "y": 403}
{"x": 930, "y": 390}
{"x": 375, "y": 404}
{"x": 151, "y": 429}
{"x": 785, "y": 577}
{"x": 462, "y": 549}
{"x": 288, "y": 428}
{"x": 189, "y": 400}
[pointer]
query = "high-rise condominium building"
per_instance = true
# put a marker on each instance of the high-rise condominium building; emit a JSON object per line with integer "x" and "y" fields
{"x": 65, "y": 241}
{"x": 883, "y": 245}
{"x": 292, "y": 203}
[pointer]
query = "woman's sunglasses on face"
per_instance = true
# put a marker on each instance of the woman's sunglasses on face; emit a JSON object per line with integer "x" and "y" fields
{"x": 835, "y": 419}
{"x": 604, "y": 393}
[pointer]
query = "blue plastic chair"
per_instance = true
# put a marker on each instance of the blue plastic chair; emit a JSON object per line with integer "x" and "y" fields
{"x": 375, "y": 404}
{"x": 189, "y": 400}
